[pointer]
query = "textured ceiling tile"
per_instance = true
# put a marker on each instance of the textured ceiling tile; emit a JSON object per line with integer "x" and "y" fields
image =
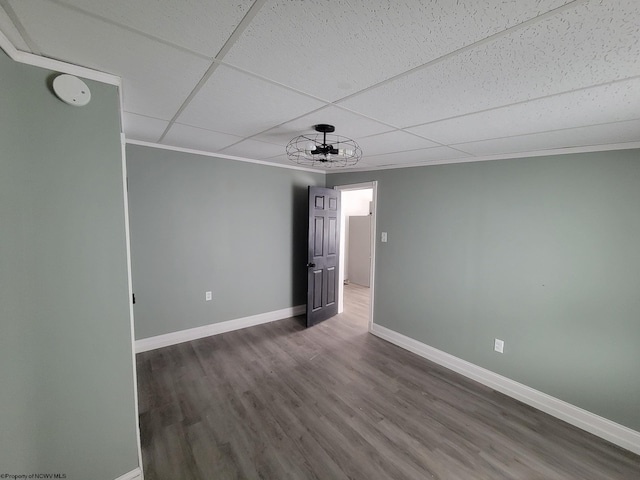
{"x": 156, "y": 78}
{"x": 591, "y": 44}
{"x": 333, "y": 49}
{"x": 254, "y": 149}
{"x": 199, "y": 25}
{"x": 347, "y": 124}
{"x": 607, "y": 134}
{"x": 198, "y": 138}
{"x": 239, "y": 104}
{"x": 414, "y": 157}
{"x": 11, "y": 32}
{"x": 606, "y": 104}
{"x": 393, "y": 142}
{"x": 138, "y": 127}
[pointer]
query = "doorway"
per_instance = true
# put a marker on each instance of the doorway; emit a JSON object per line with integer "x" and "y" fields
{"x": 357, "y": 245}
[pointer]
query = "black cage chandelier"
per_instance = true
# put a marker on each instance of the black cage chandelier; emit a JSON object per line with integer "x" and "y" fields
{"x": 322, "y": 150}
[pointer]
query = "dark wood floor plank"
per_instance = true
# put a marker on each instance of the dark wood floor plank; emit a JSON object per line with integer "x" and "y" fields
{"x": 279, "y": 401}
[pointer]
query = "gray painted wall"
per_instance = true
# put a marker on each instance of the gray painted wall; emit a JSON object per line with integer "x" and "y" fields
{"x": 200, "y": 224}
{"x": 66, "y": 367}
{"x": 542, "y": 253}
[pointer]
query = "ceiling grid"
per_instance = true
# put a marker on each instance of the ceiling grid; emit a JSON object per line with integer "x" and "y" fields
{"x": 413, "y": 82}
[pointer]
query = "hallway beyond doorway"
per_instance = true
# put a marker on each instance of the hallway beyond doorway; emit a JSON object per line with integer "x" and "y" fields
{"x": 356, "y": 304}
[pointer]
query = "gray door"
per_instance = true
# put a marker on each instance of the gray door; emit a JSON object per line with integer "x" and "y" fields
{"x": 324, "y": 246}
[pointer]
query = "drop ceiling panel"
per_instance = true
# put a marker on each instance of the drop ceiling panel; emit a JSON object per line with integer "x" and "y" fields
{"x": 606, "y": 104}
{"x": 156, "y": 78}
{"x": 198, "y": 25}
{"x": 574, "y": 69}
{"x": 590, "y": 44}
{"x": 347, "y": 124}
{"x": 11, "y": 32}
{"x": 395, "y": 141}
{"x": 333, "y": 49}
{"x": 254, "y": 149}
{"x": 608, "y": 134}
{"x": 198, "y": 138}
{"x": 240, "y": 104}
{"x": 147, "y": 129}
{"x": 413, "y": 157}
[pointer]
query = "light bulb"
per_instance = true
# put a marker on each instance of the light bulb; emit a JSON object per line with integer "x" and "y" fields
{"x": 308, "y": 149}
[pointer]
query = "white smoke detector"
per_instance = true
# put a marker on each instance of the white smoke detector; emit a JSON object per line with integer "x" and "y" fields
{"x": 71, "y": 90}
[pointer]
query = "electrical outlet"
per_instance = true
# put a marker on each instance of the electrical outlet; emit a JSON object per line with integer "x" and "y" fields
{"x": 207, "y": 296}
{"x": 498, "y": 346}
{"x": 383, "y": 237}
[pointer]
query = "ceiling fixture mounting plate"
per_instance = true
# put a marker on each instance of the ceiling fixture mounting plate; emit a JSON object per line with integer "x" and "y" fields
{"x": 324, "y": 128}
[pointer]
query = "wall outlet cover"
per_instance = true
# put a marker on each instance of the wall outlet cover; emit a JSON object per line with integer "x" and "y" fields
{"x": 498, "y": 346}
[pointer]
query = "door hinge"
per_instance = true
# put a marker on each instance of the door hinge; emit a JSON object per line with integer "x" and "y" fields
{"x": 133, "y": 295}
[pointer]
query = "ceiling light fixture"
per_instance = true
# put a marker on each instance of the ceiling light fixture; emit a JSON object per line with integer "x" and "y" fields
{"x": 324, "y": 150}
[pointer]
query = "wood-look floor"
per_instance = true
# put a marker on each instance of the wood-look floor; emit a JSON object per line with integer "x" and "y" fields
{"x": 278, "y": 401}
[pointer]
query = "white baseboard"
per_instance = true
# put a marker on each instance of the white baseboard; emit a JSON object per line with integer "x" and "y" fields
{"x": 135, "y": 474}
{"x": 592, "y": 423}
{"x": 151, "y": 343}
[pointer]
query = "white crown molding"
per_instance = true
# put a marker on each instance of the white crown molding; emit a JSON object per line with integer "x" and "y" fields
{"x": 135, "y": 474}
{"x": 502, "y": 156}
{"x": 220, "y": 155}
{"x": 56, "y": 65}
{"x": 181, "y": 336}
{"x": 592, "y": 423}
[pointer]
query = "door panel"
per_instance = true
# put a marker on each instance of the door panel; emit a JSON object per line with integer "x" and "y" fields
{"x": 316, "y": 278}
{"x": 331, "y": 285}
{"x": 323, "y": 248}
{"x": 332, "y": 248}
{"x": 318, "y": 244}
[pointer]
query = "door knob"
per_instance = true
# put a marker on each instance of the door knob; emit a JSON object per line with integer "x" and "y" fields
{"x": 311, "y": 265}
